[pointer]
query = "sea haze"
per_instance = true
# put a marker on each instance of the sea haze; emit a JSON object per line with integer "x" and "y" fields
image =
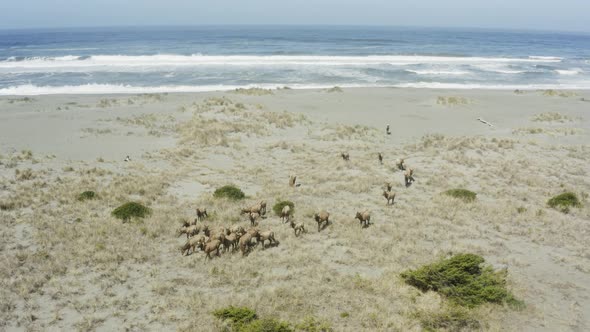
{"x": 165, "y": 59}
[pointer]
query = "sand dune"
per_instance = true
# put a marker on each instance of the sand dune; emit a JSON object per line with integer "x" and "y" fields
{"x": 68, "y": 264}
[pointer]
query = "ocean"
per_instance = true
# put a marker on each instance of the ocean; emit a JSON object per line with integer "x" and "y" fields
{"x": 205, "y": 58}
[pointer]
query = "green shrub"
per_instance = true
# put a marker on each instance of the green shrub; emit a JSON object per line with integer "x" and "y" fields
{"x": 244, "y": 319}
{"x": 453, "y": 318}
{"x": 236, "y": 315}
{"x": 564, "y": 201}
{"x": 229, "y": 192}
{"x": 266, "y": 325}
{"x": 462, "y": 280}
{"x": 87, "y": 195}
{"x": 463, "y": 194}
{"x": 131, "y": 210}
{"x": 278, "y": 207}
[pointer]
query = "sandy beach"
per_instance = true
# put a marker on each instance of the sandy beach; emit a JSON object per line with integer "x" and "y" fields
{"x": 70, "y": 265}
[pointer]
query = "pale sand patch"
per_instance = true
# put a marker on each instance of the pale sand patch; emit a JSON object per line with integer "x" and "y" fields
{"x": 70, "y": 265}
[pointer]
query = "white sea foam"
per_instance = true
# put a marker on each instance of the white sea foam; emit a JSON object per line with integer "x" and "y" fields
{"x": 470, "y": 86}
{"x": 171, "y": 60}
{"x": 438, "y": 72}
{"x": 498, "y": 68}
{"x": 568, "y": 72}
{"x": 538, "y": 57}
{"x": 92, "y": 89}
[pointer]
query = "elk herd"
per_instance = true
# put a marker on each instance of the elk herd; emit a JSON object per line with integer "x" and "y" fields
{"x": 214, "y": 241}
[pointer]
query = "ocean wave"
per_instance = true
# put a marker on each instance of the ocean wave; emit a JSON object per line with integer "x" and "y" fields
{"x": 93, "y": 89}
{"x": 166, "y": 60}
{"x": 471, "y": 86}
{"x": 498, "y": 68}
{"x": 569, "y": 72}
{"x": 538, "y": 57}
{"x": 437, "y": 72}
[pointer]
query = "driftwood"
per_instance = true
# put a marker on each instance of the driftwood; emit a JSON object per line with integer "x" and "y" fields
{"x": 484, "y": 121}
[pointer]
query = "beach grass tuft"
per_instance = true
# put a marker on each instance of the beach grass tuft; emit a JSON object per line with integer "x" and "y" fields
{"x": 564, "y": 201}
{"x": 236, "y": 315}
{"x": 89, "y": 194}
{"x": 334, "y": 89}
{"x": 253, "y": 91}
{"x": 452, "y": 318}
{"x": 452, "y": 101}
{"x": 559, "y": 93}
{"x": 462, "y": 194}
{"x": 244, "y": 319}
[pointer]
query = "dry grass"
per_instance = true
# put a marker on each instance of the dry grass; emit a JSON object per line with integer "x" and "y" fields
{"x": 552, "y": 117}
{"x": 72, "y": 265}
{"x": 560, "y": 93}
{"x": 554, "y": 131}
{"x": 334, "y": 89}
{"x": 253, "y": 91}
{"x": 452, "y": 101}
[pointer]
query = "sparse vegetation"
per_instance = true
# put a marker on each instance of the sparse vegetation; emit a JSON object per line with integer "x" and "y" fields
{"x": 87, "y": 195}
{"x": 453, "y": 318}
{"x": 334, "y": 89}
{"x": 312, "y": 324}
{"x": 564, "y": 201}
{"x": 560, "y": 93}
{"x": 253, "y": 91}
{"x": 551, "y": 117}
{"x": 556, "y": 131}
{"x": 462, "y": 194}
{"x": 131, "y": 210}
{"x": 236, "y": 315}
{"x": 70, "y": 265}
{"x": 24, "y": 175}
{"x": 243, "y": 319}
{"x": 452, "y": 101}
{"x": 230, "y": 192}
{"x": 278, "y": 207}
{"x": 462, "y": 280}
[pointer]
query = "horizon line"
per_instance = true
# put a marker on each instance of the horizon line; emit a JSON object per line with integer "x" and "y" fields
{"x": 132, "y": 26}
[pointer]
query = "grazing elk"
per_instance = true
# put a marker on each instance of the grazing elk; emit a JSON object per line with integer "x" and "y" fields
{"x": 409, "y": 177}
{"x": 364, "y": 218}
{"x": 389, "y": 196}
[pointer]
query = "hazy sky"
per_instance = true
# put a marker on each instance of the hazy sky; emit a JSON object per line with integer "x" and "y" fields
{"x": 508, "y": 14}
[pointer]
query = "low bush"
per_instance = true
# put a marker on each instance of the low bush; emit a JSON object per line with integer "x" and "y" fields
{"x": 564, "y": 201}
{"x": 236, "y": 315}
{"x": 131, "y": 210}
{"x": 244, "y": 319}
{"x": 462, "y": 280}
{"x": 278, "y": 207}
{"x": 462, "y": 194}
{"x": 230, "y": 192}
{"x": 87, "y": 195}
